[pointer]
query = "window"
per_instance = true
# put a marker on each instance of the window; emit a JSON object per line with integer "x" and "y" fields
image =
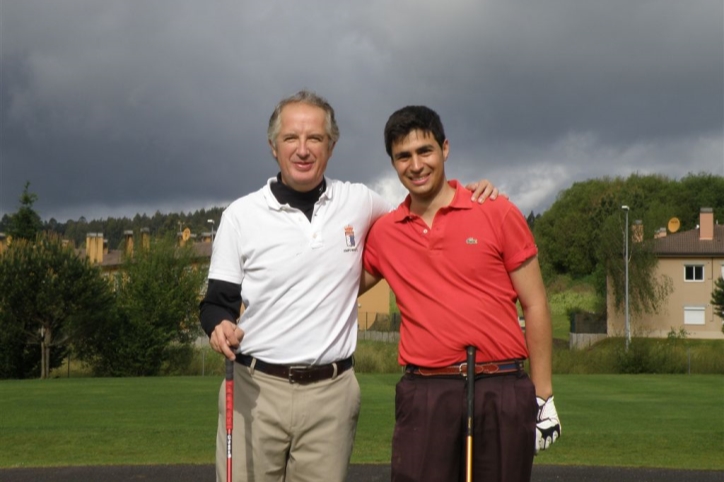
{"x": 694, "y": 315}
{"x": 694, "y": 272}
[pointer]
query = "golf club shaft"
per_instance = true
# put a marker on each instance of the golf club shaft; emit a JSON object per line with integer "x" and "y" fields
{"x": 229, "y": 414}
{"x": 471, "y": 411}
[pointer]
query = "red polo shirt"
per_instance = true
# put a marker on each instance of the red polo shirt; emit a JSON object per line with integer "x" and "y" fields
{"x": 451, "y": 281}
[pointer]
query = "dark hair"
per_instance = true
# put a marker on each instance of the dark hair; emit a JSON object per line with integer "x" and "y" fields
{"x": 411, "y": 118}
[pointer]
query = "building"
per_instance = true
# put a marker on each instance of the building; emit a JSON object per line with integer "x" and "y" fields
{"x": 693, "y": 260}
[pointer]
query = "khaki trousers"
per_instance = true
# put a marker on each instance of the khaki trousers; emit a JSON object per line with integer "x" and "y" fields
{"x": 286, "y": 432}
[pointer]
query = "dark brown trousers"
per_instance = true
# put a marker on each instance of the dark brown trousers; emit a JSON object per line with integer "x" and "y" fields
{"x": 428, "y": 444}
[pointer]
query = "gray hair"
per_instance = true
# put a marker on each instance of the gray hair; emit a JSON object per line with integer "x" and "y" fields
{"x": 303, "y": 97}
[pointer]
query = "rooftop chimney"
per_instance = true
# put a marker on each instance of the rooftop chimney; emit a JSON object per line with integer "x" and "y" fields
{"x": 145, "y": 238}
{"x": 706, "y": 224}
{"x": 637, "y": 231}
{"x": 128, "y": 240}
{"x": 94, "y": 247}
{"x": 90, "y": 246}
{"x": 661, "y": 233}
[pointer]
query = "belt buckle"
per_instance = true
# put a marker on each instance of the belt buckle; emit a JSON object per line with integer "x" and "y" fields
{"x": 463, "y": 369}
{"x": 290, "y": 376}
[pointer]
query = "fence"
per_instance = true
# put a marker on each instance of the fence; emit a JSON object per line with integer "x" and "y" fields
{"x": 586, "y": 329}
{"x": 378, "y": 327}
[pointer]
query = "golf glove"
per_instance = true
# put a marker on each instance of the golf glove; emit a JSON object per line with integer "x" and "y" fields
{"x": 547, "y": 425}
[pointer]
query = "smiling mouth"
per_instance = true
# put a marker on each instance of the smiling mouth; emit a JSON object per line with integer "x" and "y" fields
{"x": 418, "y": 181}
{"x": 303, "y": 166}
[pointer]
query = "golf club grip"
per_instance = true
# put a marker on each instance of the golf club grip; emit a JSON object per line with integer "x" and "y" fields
{"x": 229, "y": 395}
{"x": 229, "y": 414}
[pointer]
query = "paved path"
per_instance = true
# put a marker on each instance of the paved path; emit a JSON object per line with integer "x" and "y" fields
{"x": 357, "y": 473}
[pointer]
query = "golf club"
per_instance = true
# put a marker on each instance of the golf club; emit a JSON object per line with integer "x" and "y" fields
{"x": 471, "y": 411}
{"x": 229, "y": 414}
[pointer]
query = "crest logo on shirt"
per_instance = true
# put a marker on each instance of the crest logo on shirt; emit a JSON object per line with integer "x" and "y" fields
{"x": 349, "y": 236}
{"x": 471, "y": 241}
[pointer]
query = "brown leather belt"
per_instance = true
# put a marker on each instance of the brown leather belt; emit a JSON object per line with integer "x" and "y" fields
{"x": 461, "y": 369}
{"x": 301, "y": 374}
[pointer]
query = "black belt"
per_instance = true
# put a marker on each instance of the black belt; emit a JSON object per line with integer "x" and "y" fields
{"x": 302, "y": 374}
{"x": 461, "y": 369}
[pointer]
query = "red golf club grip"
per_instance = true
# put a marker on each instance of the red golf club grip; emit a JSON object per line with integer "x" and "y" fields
{"x": 229, "y": 414}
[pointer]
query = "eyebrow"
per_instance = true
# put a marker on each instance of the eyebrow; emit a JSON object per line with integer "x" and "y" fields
{"x": 420, "y": 149}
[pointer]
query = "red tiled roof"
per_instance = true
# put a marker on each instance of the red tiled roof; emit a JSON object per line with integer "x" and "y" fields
{"x": 687, "y": 243}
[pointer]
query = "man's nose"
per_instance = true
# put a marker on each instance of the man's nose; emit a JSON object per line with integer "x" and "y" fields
{"x": 416, "y": 163}
{"x": 302, "y": 149}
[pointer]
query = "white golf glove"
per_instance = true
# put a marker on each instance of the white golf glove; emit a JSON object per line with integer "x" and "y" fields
{"x": 547, "y": 425}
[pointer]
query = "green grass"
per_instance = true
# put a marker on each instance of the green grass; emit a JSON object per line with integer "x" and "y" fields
{"x": 99, "y": 421}
{"x": 376, "y": 357}
{"x": 645, "y": 355}
{"x": 669, "y": 421}
{"x": 560, "y": 303}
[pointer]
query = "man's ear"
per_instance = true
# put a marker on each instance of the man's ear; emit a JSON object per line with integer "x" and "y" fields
{"x": 273, "y": 149}
{"x": 445, "y": 149}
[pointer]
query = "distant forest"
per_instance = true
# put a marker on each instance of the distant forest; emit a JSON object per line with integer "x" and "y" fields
{"x": 113, "y": 228}
{"x": 568, "y": 234}
{"x": 159, "y": 224}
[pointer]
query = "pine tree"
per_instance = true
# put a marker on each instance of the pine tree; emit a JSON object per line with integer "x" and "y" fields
{"x": 26, "y": 223}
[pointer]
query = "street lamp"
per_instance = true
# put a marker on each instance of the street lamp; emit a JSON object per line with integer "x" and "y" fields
{"x": 211, "y": 222}
{"x": 625, "y": 259}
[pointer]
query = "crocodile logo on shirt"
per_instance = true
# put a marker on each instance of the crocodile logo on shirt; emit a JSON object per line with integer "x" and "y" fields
{"x": 471, "y": 241}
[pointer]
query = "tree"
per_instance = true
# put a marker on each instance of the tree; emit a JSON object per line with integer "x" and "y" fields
{"x": 646, "y": 292}
{"x": 44, "y": 289}
{"x": 717, "y": 299}
{"x": 25, "y": 223}
{"x": 157, "y": 295}
{"x": 4, "y": 223}
{"x": 581, "y": 235}
{"x": 567, "y": 233}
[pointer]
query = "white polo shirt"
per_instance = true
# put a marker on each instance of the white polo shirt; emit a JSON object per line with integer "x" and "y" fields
{"x": 299, "y": 279}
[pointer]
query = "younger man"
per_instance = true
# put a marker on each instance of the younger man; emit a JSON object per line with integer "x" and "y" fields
{"x": 457, "y": 269}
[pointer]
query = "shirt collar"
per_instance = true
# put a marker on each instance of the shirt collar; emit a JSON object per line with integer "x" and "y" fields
{"x": 461, "y": 200}
{"x": 274, "y": 203}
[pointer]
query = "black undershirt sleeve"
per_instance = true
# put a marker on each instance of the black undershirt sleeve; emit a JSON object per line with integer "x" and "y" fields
{"x": 222, "y": 302}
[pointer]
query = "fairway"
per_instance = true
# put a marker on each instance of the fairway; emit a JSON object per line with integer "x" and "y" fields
{"x": 668, "y": 421}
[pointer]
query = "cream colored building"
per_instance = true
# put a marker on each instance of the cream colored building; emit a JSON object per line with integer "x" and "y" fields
{"x": 693, "y": 260}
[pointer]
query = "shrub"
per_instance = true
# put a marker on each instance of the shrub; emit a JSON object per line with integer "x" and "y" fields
{"x": 376, "y": 357}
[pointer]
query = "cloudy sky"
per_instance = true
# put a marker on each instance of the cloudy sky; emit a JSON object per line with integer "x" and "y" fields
{"x": 117, "y": 107}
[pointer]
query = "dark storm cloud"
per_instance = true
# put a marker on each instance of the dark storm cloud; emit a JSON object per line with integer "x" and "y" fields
{"x": 112, "y": 108}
